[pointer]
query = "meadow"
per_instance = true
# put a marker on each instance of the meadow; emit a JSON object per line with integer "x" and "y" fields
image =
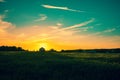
{"x": 23, "y": 65}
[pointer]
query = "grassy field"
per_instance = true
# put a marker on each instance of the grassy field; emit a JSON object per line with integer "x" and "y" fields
{"x": 59, "y": 66}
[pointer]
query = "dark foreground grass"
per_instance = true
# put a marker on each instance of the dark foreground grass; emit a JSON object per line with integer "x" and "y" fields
{"x": 59, "y": 66}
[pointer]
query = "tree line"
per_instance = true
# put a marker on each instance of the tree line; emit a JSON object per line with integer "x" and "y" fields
{"x": 11, "y": 48}
{"x": 115, "y": 50}
{"x": 14, "y": 48}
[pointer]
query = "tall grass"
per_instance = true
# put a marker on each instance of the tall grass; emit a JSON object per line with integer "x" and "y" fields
{"x": 59, "y": 66}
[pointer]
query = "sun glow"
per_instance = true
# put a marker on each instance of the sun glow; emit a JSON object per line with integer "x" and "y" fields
{"x": 44, "y": 45}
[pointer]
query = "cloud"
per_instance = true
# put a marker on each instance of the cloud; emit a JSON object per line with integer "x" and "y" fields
{"x": 2, "y": 0}
{"x": 4, "y": 26}
{"x": 60, "y": 8}
{"x": 59, "y": 24}
{"x": 78, "y": 25}
{"x": 6, "y": 11}
{"x": 68, "y": 30}
{"x": 43, "y": 17}
{"x": 104, "y": 31}
{"x": 56, "y": 37}
{"x": 109, "y": 30}
{"x": 86, "y": 28}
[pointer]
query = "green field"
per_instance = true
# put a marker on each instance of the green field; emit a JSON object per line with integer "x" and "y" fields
{"x": 59, "y": 66}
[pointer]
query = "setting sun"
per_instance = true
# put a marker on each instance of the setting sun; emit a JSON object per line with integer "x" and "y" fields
{"x": 44, "y": 45}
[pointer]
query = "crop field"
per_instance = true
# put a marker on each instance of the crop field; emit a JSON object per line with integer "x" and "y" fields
{"x": 59, "y": 66}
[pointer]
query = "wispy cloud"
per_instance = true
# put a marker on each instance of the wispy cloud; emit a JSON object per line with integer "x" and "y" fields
{"x": 109, "y": 30}
{"x": 56, "y": 37}
{"x": 79, "y": 25}
{"x": 42, "y": 17}
{"x": 70, "y": 29}
{"x": 61, "y": 8}
{"x": 6, "y": 11}
{"x": 2, "y": 0}
{"x": 59, "y": 24}
{"x": 5, "y": 26}
{"x": 105, "y": 31}
{"x": 86, "y": 28}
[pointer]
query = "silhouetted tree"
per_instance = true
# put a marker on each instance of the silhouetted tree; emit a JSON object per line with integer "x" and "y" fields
{"x": 42, "y": 50}
{"x": 52, "y": 50}
{"x": 62, "y": 50}
{"x": 11, "y": 48}
{"x": 19, "y": 48}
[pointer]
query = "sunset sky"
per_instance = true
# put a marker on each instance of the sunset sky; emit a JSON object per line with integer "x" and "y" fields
{"x": 60, "y": 24}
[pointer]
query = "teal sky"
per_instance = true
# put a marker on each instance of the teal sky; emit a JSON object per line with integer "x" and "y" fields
{"x": 106, "y": 14}
{"x": 23, "y": 12}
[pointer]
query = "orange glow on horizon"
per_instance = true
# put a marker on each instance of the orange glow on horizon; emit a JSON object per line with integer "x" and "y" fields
{"x": 54, "y": 37}
{"x": 60, "y": 45}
